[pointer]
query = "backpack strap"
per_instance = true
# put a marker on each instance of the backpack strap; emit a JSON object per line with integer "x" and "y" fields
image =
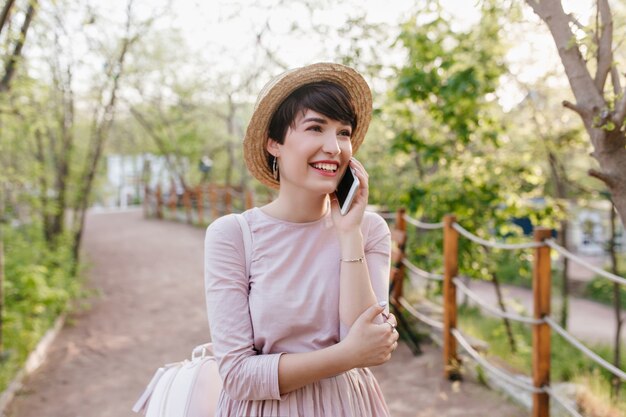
{"x": 247, "y": 240}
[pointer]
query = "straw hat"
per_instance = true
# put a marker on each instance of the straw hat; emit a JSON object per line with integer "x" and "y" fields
{"x": 278, "y": 89}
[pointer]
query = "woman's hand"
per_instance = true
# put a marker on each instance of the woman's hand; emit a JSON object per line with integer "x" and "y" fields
{"x": 352, "y": 220}
{"x": 369, "y": 343}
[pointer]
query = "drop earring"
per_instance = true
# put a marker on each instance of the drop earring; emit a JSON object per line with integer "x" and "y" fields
{"x": 275, "y": 172}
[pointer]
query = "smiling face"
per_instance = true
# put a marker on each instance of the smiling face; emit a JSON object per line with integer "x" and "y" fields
{"x": 314, "y": 154}
{"x": 310, "y": 133}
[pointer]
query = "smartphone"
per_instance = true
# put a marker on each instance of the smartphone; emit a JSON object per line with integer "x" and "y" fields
{"x": 346, "y": 190}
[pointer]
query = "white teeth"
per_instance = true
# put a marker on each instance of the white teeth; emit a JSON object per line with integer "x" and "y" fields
{"x": 326, "y": 167}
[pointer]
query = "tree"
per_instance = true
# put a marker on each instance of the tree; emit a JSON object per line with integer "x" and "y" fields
{"x": 587, "y": 55}
{"x": 10, "y": 67}
{"x": 448, "y": 121}
{"x": 102, "y": 120}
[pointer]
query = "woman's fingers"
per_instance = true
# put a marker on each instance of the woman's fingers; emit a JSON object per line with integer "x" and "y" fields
{"x": 392, "y": 319}
{"x": 359, "y": 166}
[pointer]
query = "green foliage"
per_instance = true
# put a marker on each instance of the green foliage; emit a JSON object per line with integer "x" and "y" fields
{"x": 602, "y": 290}
{"x": 447, "y": 122}
{"x": 37, "y": 288}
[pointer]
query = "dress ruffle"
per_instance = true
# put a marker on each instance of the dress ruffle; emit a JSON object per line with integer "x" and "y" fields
{"x": 351, "y": 394}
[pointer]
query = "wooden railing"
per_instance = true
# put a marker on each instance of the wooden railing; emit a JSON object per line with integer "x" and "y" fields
{"x": 198, "y": 205}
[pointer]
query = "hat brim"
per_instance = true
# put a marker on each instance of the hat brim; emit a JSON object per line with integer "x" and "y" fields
{"x": 277, "y": 90}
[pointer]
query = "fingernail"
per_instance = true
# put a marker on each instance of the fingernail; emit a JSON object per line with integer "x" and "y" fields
{"x": 383, "y": 303}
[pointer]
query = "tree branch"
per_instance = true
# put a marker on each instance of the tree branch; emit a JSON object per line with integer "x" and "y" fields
{"x": 620, "y": 109}
{"x": 583, "y": 86}
{"x": 617, "y": 85}
{"x": 17, "y": 51}
{"x": 605, "y": 178}
{"x": 5, "y": 13}
{"x": 605, "y": 53}
{"x": 582, "y": 112}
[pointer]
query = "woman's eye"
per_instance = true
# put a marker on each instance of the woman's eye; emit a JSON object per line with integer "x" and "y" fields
{"x": 345, "y": 133}
{"x": 315, "y": 128}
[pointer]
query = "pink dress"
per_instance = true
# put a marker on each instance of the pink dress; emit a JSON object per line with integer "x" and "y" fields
{"x": 290, "y": 304}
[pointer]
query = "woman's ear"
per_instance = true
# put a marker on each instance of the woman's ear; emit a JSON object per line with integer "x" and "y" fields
{"x": 272, "y": 147}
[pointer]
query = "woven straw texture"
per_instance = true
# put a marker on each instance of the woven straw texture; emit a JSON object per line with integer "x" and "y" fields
{"x": 278, "y": 89}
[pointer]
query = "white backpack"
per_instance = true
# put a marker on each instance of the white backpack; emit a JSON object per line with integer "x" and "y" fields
{"x": 190, "y": 388}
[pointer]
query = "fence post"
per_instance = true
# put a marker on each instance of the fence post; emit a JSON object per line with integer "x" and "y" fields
{"x": 541, "y": 332}
{"x": 228, "y": 200}
{"x": 187, "y": 204}
{"x": 249, "y": 200}
{"x": 213, "y": 201}
{"x": 200, "y": 204}
{"x": 172, "y": 202}
{"x": 146, "y": 201}
{"x": 398, "y": 276}
{"x": 159, "y": 202}
{"x": 450, "y": 271}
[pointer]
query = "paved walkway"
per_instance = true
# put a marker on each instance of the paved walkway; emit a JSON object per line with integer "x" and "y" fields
{"x": 149, "y": 277}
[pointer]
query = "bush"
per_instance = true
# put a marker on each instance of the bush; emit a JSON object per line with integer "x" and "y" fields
{"x": 601, "y": 290}
{"x": 38, "y": 287}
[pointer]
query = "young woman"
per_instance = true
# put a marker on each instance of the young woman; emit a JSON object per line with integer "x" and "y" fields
{"x": 295, "y": 337}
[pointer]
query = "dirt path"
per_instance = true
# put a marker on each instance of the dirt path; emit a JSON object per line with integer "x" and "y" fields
{"x": 151, "y": 311}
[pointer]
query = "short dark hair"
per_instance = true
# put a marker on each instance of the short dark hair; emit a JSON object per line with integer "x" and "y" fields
{"x": 324, "y": 97}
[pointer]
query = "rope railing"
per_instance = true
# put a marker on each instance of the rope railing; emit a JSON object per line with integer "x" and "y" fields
{"x": 388, "y": 216}
{"x": 420, "y": 316}
{"x": 420, "y": 272}
{"x": 569, "y": 255}
{"x": 503, "y": 375}
{"x": 541, "y": 321}
{"x": 494, "y": 311}
{"x": 585, "y": 350}
{"x": 511, "y": 379}
{"x": 491, "y": 244}
{"x": 422, "y": 225}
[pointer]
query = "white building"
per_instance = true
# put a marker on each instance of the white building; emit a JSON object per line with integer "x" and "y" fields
{"x": 125, "y": 178}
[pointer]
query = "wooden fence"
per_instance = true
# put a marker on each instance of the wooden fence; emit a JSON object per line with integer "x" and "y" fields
{"x": 198, "y": 205}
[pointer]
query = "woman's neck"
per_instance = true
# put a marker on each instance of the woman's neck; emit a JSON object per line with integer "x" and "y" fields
{"x": 301, "y": 208}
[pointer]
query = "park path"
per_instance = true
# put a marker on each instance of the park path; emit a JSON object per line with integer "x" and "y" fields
{"x": 149, "y": 310}
{"x": 591, "y": 322}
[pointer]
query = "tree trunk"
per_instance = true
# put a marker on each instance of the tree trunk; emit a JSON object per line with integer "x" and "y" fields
{"x": 230, "y": 124}
{"x": 19, "y": 44}
{"x": 507, "y": 323}
{"x": 99, "y": 132}
{"x": 560, "y": 186}
{"x": 617, "y": 307}
{"x": 63, "y": 160}
{"x": 43, "y": 186}
{"x": 603, "y": 122}
{"x": 1, "y": 269}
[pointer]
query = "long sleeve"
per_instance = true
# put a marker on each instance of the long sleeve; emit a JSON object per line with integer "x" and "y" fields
{"x": 246, "y": 375}
{"x": 378, "y": 258}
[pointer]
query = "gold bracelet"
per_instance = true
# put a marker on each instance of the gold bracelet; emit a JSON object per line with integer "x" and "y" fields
{"x": 359, "y": 260}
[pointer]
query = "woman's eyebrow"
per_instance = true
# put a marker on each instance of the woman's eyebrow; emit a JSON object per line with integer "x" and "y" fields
{"x": 315, "y": 119}
{"x": 321, "y": 121}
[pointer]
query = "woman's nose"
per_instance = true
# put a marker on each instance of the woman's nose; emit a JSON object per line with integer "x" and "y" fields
{"x": 331, "y": 145}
